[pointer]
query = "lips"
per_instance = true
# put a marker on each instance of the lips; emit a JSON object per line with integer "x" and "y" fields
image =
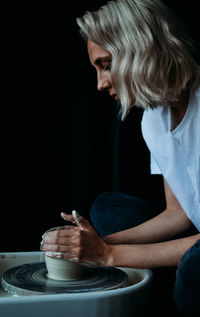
{"x": 115, "y": 96}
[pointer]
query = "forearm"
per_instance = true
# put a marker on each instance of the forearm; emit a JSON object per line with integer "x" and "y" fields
{"x": 162, "y": 227}
{"x": 161, "y": 254}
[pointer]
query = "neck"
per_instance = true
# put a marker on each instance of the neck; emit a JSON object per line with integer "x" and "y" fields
{"x": 178, "y": 108}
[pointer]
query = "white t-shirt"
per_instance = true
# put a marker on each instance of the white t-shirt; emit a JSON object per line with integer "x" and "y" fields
{"x": 176, "y": 154}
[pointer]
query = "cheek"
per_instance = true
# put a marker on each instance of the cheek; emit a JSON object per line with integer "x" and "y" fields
{"x": 114, "y": 81}
{"x": 110, "y": 78}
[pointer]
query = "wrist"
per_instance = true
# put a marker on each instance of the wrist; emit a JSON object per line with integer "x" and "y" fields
{"x": 108, "y": 239}
{"x": 109, "y": 255}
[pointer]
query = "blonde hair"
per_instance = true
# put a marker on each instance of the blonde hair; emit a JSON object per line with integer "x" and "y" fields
{"x": 151, "y": 56}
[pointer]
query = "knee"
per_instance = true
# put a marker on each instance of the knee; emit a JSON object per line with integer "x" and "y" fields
{"x": 98, "y": 214}
{"x": 99, "y": 204}
{"x": 187, "y": 285}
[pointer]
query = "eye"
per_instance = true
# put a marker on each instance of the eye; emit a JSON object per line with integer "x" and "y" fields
{"x": 107, "y": 68}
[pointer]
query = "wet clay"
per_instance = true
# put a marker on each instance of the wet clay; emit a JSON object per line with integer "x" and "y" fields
{"x": 60, "y": 269}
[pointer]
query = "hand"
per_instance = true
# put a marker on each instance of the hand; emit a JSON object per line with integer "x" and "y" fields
{"x": 78, "y": 243}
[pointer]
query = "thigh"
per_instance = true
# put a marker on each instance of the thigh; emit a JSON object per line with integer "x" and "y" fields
{"x": 187, "y": 285}
{"x": 114, "y": 212}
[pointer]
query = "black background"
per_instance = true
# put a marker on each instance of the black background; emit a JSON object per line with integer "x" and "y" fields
{"x": 62, "y": 142}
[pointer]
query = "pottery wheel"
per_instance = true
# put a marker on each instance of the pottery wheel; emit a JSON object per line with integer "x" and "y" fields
{"x": 31, "y": 278}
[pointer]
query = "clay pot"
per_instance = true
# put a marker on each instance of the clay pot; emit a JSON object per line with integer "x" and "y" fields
{"x": 60, "y": 269}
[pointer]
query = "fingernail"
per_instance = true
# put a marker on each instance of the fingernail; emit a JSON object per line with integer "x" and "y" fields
{"x": 42, "y": 243}
{"x": 73, "y": 259}
{"x": 76, "y": 216}
{"x": 41, "y": 246}
{"x": 64, "y": 216}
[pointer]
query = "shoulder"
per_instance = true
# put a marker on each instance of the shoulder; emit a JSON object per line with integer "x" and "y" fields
{"x": 197, "y": 92}
{"x": 155, "y": 120}
{"x": 195, "y": 97}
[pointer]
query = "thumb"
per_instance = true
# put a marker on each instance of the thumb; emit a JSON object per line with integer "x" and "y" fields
{"x": 75, "y": 218}
{"x": 78, "y": 219}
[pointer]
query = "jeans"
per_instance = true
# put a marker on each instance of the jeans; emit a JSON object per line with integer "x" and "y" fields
{"x": 187, "y": 285}
{"x": 114, "y": 212}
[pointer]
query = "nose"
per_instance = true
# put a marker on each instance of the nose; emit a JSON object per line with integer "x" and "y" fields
{"x": 103, "y": 81}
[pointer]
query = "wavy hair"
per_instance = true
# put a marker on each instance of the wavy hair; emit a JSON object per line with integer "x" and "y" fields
{"x": 152, "y": 61}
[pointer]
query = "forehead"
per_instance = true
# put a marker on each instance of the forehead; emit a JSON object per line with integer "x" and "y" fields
{"x": 95, "y": 51}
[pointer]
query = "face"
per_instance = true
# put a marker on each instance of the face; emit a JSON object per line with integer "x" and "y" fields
{"x": 101, "y": 59}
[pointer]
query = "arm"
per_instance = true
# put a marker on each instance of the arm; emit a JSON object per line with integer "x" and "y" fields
{"x": 166, "y": 225}
{"x": 153, "y": 255}
{"x": 141, "y": 246}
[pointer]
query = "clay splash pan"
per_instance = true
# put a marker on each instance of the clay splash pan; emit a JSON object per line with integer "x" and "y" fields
{"x": 31, "y": 278}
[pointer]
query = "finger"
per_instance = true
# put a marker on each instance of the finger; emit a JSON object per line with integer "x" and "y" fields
{"x": 61, "y": 241}
{"x": 70, "y": 256}
{"x": 57, "y": 255}
{"x": 74, "y": 217}
{"x": 52, "y": 229}
{"x": 61, "y": 255}
{"x": 64, "y": 237}
{"x": 61, "y": 232}
{"x": 77, "y": 219}
{"x": 68, "y": 217}
{"x": 55, "y": 228}
{"x": 59, "y": 248}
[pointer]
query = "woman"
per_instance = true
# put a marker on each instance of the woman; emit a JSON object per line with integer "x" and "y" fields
{"x": 142, "y": 57}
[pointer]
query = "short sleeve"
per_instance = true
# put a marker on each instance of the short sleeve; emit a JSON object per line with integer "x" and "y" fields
{"x": 154, "y": 167}
{"x": 198, "y": 172}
